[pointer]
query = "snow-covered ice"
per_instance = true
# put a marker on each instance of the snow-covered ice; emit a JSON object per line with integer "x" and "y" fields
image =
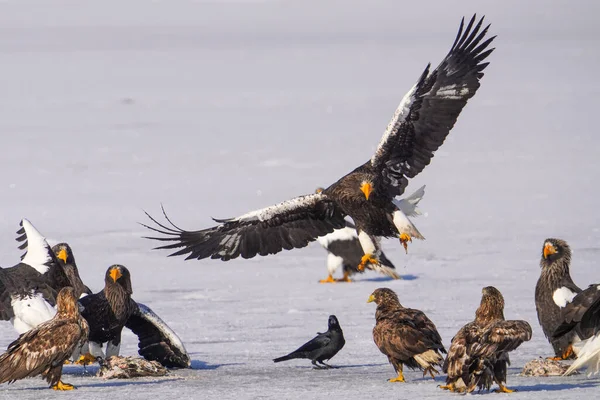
{"x": 218, "y": 108}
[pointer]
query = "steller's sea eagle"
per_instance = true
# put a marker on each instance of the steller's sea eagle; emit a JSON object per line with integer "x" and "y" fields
{"x": 44, "y": 349}
{"x": 64, "y": 254}
{"x": 553, "y": 291}
{"x": 478, "y": 354}
{"x": 418, "y": 128}
{"x": 405, "y": 335}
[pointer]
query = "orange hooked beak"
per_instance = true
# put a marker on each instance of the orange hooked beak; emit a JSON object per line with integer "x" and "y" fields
{"x": 115, "y": 274}
{"x": 366, "y": 188}
{"x": 549, "y": 250}
{"x": 62, "y": 255}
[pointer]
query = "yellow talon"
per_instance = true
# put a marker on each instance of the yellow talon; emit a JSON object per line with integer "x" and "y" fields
{"x": 329, "y": 279}
{"x": 367, "y": 259}
{"x": 504, "y": 389}
{"x": 345, "y": 278}
{"x": 86, "y": 359}
{"x": 404, "y": 239}
{"x": 399, "y": 378}
{"x": 63, "y": 386}
{"x": 449, "y": 387}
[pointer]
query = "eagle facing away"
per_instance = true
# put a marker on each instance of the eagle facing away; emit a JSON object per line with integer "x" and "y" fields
{"x": 405, "y": 335}
{"x": 44, "y": 349}
{"x": 417, "y": 129}
{"x": 478, "y": 354}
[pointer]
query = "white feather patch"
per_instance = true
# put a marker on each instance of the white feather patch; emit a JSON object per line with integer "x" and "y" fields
{"x": 408, "y": 205}
{"x": 95, "y": 349}
{"x": 30, "y": 311}
{"x": 404, "y": 225}
{"x": 112, "y": 350}
{"x": 562, "y": 296}
{"x": 333, "y": 263}
{"x": 37, "y": 248}
{"x": 346, "y": 233}
{"x": 588, "y": 355}
{"x": 368, "y": 245}
{"x": 287, "y": 206}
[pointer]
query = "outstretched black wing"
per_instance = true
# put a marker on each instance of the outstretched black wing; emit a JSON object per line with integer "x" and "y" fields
{"x": 288, "y": 225}
{"x": 582, "y": 314}
{"x": 157, "y": 342}
{"x": 430, "y": 109}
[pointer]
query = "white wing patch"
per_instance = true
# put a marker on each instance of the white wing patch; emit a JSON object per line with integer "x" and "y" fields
{"x": 562, "y": 296}
{"x": 30, "y": 311}
{"x": 267, "y": 213}
{"x": 37, "y": 248}
{"x": 399, "y": 116}
{"x": 343, "y": 234}
{"x": 452, "y": 92}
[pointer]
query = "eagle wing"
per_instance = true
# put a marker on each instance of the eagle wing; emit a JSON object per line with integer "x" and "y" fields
{"x": 502, "y": 336}
{"x": 584, "y": 310}
{"x": 39, "y": 349}
{"x": 400, "y": 338}
{"x": 430, "y": 109}
{"x": 458, "y": 354}
{"x": 290, "y": 224}
{"x": 157, "y": 341}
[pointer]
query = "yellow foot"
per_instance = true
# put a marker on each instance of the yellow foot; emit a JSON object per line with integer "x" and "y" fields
{"x": 63, "y": 386}
{"x": 404, "y": 239}
{"x": 504, "y": 389}
{"x": 399, "y": 378}
{"x": 329, "y": 279}
{"x": 67, "y": 362}
{"x": 568, "y": 353}
{"x": 345, "y": 278}
{"x": 86, "y": 359}
{"x": 449, "y": 387}
{"x": 367, "y": 259}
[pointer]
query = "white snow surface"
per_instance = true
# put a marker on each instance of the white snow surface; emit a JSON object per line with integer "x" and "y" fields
{"x": 217, "y": 108}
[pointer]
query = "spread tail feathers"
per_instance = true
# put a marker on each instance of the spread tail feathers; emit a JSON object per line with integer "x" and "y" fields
{"x": 588, "y": 355}
{"x": 408, "y": 205}
{"x": 385, "y": 270}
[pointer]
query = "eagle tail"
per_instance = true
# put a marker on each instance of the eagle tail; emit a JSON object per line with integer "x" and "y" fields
{"x": 588, "y": 355}
{"x": 385, "y": 270}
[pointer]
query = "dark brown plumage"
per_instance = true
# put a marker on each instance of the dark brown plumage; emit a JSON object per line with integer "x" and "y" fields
{"x": 64, "y": 254}
{"x": 418, "y": 128}
{"x": 44, "y": 349}
{"x": 554, "y": 289}
{"x": 406, "y": 336}
{"x": 478, "y": 355}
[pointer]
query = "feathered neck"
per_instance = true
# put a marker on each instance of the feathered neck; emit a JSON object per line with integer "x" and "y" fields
{"x": 490, "y": 310}
{"x": 118, "y": 300}
{"x": 555, "y": 272}
{"x": 386, "y": 308}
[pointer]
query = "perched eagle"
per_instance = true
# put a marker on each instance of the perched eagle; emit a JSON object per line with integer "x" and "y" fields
{"x": 28, "y": 290}
{"x": 554, "y": 290}
{"x": 344, "y": 250}
{"x": 44, "y": 349}
{"x": 580, "y": 322}
{"x": 323, "y": 347}
{"x": 405, "y": 335}
{"x": 418, "y": 128}
{"x": 111, "y": 309}
{"x": 478, "y": 354}
{"x": 64, "y": 254}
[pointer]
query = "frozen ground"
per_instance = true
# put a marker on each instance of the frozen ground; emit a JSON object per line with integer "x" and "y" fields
{"x": 217, "y": 108}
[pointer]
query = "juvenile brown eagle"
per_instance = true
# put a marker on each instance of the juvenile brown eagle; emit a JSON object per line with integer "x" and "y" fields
{"x": 418, "y": 128}
{"x": 44, "y": 349}
{"x": 478, "y": 354}
{"x": 553, "y": 291}
{"x": 580, "y": 322}
{"x": 405, "y": 335}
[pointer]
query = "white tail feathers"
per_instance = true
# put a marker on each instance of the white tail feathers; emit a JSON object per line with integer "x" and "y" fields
{"x": 408, "y": 205}
{"x": 588, "y": 355}
{"x": 429, "y": 358}
{"x": 382, "y": 269}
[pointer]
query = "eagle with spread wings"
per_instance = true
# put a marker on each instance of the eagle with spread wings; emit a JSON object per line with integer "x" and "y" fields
{"x": 417, "y": 129}
{"x": 478, "y": 354}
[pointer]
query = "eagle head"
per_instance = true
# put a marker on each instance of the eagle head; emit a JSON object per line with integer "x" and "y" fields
{"x": 63, "y": 252}
{"x": 384, "y": 296}
{"x": 66, "y": 302}
{"x": 555, "y": 249}
{"x": 118, "y": 274}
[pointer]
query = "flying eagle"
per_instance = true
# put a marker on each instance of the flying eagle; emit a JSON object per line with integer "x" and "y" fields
{"x": 28, "y": 290}
{"x": 554, "y": 290}
{"x": 344, "y": 250}
{"x": 580, "y": 322}
{"x": 405, "y": 335}
{"x": 418, "y": 128}
{"x": 64, "y": 254}
{"x": 111, "y": 309}
{"x": 478, "y": 354}
{"x": 44, "y": 349}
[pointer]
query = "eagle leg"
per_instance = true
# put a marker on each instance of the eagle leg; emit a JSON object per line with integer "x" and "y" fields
{"x": 63, "y": 386}
{"x": 404, "y": 239}
{"x": 329, "y": 279}
{"x": 86, "y": 359}
{"x": 367, "y": 259}
{"x": 345, "y": 278}
{"x": 503, "y": 389}
{"x": 400, "y": 377}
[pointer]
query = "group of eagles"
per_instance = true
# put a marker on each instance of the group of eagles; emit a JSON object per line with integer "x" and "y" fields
{"x": 478, "y": 355}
